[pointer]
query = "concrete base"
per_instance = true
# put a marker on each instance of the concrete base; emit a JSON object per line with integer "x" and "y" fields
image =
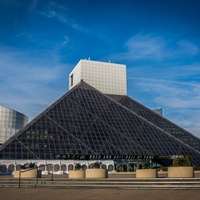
{"x": 146, "y": 173}
{"x": 96, "y": 173}
{"x": 180, "y": 172}
{"x": 28, "y": 174}
{"x": 77, "y": 174}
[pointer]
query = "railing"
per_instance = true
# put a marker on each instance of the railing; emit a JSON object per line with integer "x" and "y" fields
{"x": 19, "y": 186}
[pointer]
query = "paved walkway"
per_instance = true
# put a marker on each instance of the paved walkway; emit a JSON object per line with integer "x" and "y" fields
{"x": 96, "y": 194}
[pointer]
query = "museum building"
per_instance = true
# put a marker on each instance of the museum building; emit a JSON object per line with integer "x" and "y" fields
{"x": 96, "y": 121}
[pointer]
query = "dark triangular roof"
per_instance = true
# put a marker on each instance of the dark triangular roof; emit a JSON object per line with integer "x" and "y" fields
{"x": 86, "y": 122}
{"x": 159, "y": 121}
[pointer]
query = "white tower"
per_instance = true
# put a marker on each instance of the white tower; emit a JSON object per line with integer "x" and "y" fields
{"x": 109, "y": 78}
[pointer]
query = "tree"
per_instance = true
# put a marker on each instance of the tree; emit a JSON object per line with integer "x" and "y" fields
{"x": 78, "y": 166}
{"x": 96, "y": 165}
{"x": 181, "y": 161}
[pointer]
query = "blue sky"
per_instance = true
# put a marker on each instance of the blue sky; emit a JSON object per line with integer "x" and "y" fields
{"x": 159, "y": 41}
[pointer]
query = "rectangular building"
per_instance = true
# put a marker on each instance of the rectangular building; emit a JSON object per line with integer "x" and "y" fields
{"x": 109, "y": 78}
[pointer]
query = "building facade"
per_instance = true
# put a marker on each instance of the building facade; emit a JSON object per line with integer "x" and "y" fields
{"x": 10, "y": 122}
{"x": 93, "y": 122}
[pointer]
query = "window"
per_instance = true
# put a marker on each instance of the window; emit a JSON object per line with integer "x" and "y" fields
{"x": 71, "y": 80}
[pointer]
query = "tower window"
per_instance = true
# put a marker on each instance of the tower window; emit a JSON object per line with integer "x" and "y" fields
{"x": 71, "y": 80}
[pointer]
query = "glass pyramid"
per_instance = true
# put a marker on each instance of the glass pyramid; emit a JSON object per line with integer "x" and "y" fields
{"x": 87, "y": 123}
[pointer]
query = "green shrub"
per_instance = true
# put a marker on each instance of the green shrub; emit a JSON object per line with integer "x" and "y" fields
{"x": 78, "y": 166}
{"x": 28, "y": 166}
{"x": 181, "y": 161}
{"x": 96, "y": 165}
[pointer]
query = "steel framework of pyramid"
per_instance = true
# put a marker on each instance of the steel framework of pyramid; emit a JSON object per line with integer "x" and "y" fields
{"x": 84, "y": 122}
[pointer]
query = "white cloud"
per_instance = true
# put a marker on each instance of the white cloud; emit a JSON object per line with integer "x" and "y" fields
{"x": 172, "y": 94}
{"x": 192, "y": 71}
{"x": 65, "y": 41}
{"x": 69, "y": 17}
{"x": 145, "y": 46}
{"x": 30, "y": 85}
{"x": 154, "y": 48}
{"x": 54, "y": 14}
{"x": 142, "y": 47}
{"x": 188, "y": 47}
{"x": 53, "y": 10}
